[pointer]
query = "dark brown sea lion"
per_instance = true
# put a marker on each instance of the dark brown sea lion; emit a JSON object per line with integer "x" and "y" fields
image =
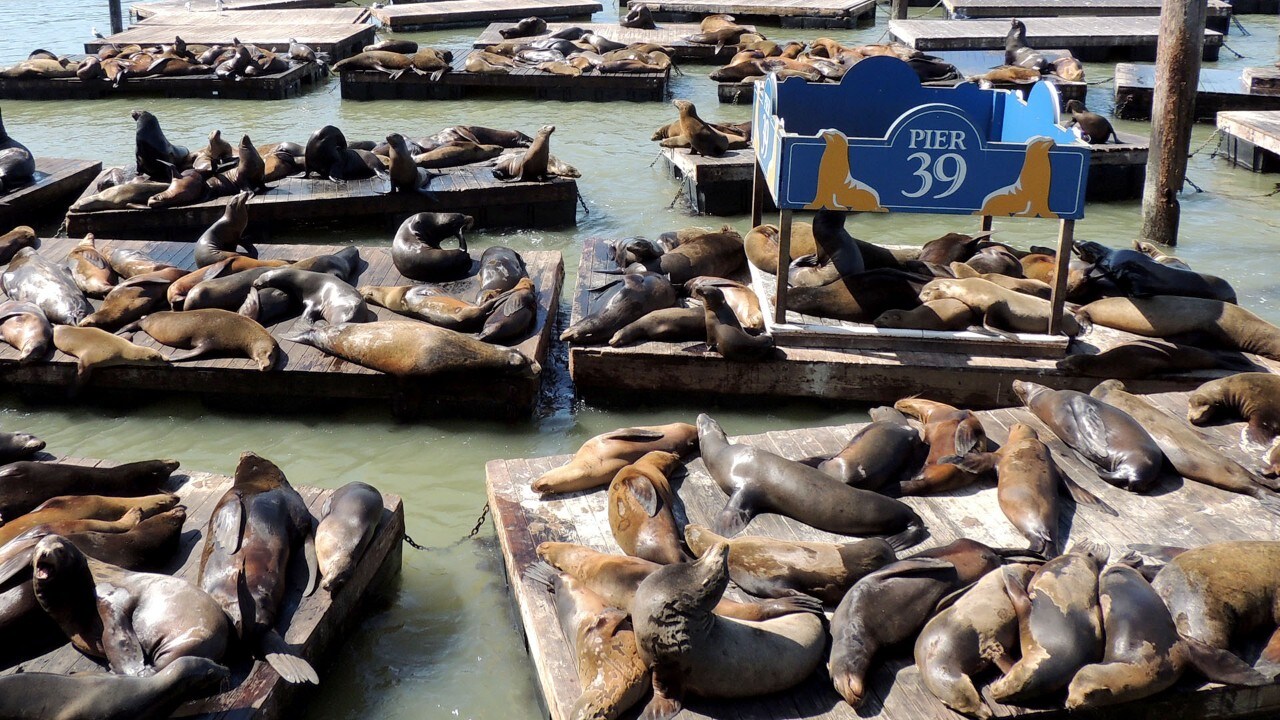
{"x": 951, "y": 434}
{"x": 879, "y": 453}
{"x": 225, "y": 235}
{"x": 259, "y": 524}
{"x": 637, "y": 294}
{"x": 1001, "y": 309}
{"x": 1142, "y": 359}
{"x": 396, "y": 45}
{"x": 139, "y": 622}
{"x": 996, "y": 259}
{"x": 944, "y": 314}
{"x": 403, "y": 173}
{"x": 16, "y": 446}
{"x": 1060, "y": 625}
{"x": 429, "y": 303}
{"x": 703, "y": 139}
{"x": 131, "y": 195}
{"x": 666, "y": 325}
{"x": 322, "y": 296}
{"x": 715, "y": 254}
{"x": 84, "y": 507}
{"x": 351, "y": 515}
{"x": 97, "y": 696}
{"x": 416, "y": 249}
{"x": 725, "y": 334}
{"x": 31, "y": 278}
{"x": 1225, "y": 324}
{"x": 514, "y": 314}
{"x": 185, "y": 187}
{"x": 600, "y": 458}
{"x": 212, "y": 330}
{"x": 772, "y": 568}
{"x": 530, "y": 165}
{"x": 24, "y": 326}
{"x": 154, "y": 153}
{"x": 1017, "y": 52}
{"x": 456, "y": 154}
{"x": 132, "y": 299}
{"x": 838, "y": 254}
{"x": 26, "y": 484}
{"x": 14, "y": 240}
{"x": 525, "y": 28}
{"x": 951, "y": 247}
{"x": 758, "y": 481}
{"x": 500, "y": 269}
{"x": 638, "y": 16}
{"x": 979, "y": 630}
{"x": 1137, "y": 275}
{"x": 1027, "y": 489}
{"x": 692, "y": 651}
{"x": 1096, "y": 129}
{"x": 406, "y": 348}
{"x": 89, "y": 269}
{"x": 860, "y": 298}
{"x": 94, "y": 348}
{"x": 641, "y": 513}
{"x": 1253, "y": 396}
{"x": 912, "y": 587}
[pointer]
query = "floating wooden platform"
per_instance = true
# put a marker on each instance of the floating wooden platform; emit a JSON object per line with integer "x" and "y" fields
{"x": 456, "y": 84}
{"x": 478, "y": 13}
{"x": 306, "y": 375}
{"x": 1218, "y": 13}
{"x": 651, "y": 370}
{"x": 338, "y": 40}
{"x": 1252, "y": 138}
{"x": 1255, "y": 7}
{"x": 1090, "y": 39}
{"x": 671, "y": 35}
{"x": 313, "y": 624}
{"x": 57, "y": 183}
{"x": 787, "y": 13}
{"x": 279, "y": 86}
{"x": 149, "y": 9}
{"x": 322, "y": 15}
{"x": 1179, "y": 512}
{"x": 1218, "y": 90}
{"x": 472, "y": 190}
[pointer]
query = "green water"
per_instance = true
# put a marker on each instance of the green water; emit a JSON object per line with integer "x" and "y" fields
{"x": 446, "y": 643}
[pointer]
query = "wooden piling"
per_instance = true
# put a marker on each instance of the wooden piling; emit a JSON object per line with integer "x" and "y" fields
{"x": 899, "y": 9}
{"x": 117, "y": 17}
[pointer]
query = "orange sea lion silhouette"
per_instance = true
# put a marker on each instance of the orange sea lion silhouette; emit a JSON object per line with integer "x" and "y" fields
{"x": 1029, "y": 196}
{"x": 837, "y": 188}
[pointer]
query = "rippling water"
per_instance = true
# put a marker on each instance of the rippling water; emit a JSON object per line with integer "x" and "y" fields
{"x": 446, "y": 642}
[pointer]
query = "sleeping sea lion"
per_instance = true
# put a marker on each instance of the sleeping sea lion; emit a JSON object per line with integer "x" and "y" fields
{"x": 25, "y": 327}
{"x": 429, "y": 303}
{"x": 637, "y": 294}
{"x": 675, "y": 324}
{"x": 416, "y": 250}
{"x": 600, "y": 458}
{"x": 70, "y": 508}
{"x": 94, "y": 348}
{"x": 640, "y": 509}
{"x": 16, "y": 239}
{"x": 500, "y": 269}
{"x": 212, "y": 330}
{"x": 322, "y": 296}
{"x": 951, "y": 435}
{"x": 879, "y": 453}
{"x": 405, "y": 348}
{"x": 1000, "y": 308}
{"x": 47, "y": 285}
{"x": 351, "y": 515}
{"x": 1253, "y": 397}
{"x": 514, "y": 314}
{"x": 725, "y": 334}
{"x": 89, "y": 269}
{"x": 97, "y": 696}
{"x": 1142, "y": 359}
{"x": 1227, "y": 325}
{"x": 25, "y": 484}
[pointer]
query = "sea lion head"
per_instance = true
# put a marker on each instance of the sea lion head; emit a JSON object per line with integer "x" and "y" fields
{"x": 692, "y": 589}
{"x": 1091, "y": 252}
{"x": 895, "y": 318}
{"x": 158, "y": 471}
{"x": 1075, "y": 106}
{"x": 387, "y": 296}
{"x": 546, "y": 130}
{"x": 58, "y": 571}
{"x": 27, "y": 442}
{"x": 708, "y": 427}
{"x": 635, "y": 249}
{"x": 522, "y": 365}
{"x": 1202, "y": 406}
{"x": 397, "y": 142}
{"x": 1027, "y": 391}
{"x": 712, "y": 297}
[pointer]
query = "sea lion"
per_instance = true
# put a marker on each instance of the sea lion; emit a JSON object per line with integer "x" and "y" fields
{"x": 514, "y": 314}
{"x": 952, "y": 247}
{"x": 396, "y": 45}
{"x": 120, "y": 197}
{"x": 416, "y": 250}
{"x": 944, "y": 314}
{"x": 89, "y": 269}
{"x": 94, "y": 348}
{"x": 132, "y": 299}
{"x": 14, "y": 240}
{"x": 405, "y": 348}
{"x": 758, "y": 481}
{"x": 456, "y": 154}
{"x": 1059, "y": 623}
{"x": 322, "y": 150}
{"x": 25, "y": 327}
{"x": 1137, "y": 275}
{"x": 951, "y": 434}
{"x": 1001, "y": 308}
{"x": 1142, "y": 359}
{"x": 863, "y": 622}
{"x": 132, "y": 263}
{"x": 979, "y": 630}
{"x": 49, "y": 286}
{"x": 429, "y": 303}
{"x": 525, "y": 28}
{"x": 71, "y": 508}
{"x": 180, "y": 288}
{"x": 1096, "y": 129}
{"x": 403, "y": 173}
{"x": 225, "y": 235}
{"x": 879, "y": 453}
{"x": 1223, "y": 324}
{"x": 350, "y": 517}
{"x": 17, "y": 168}
{"x": 1069, "y": 69}
{"x": 251, "y": 170}
{"x": 638, "y": 16}
{"x": 995, "y": 260}
{"x": 530, "y": 165}
{"x": 185, "y": 187}
{"x": 717, "y": 253}
{"x": 603, "y": 456}
{"x": 97, "y": 696}
{"x": 258, "y": 525}
{"x": 16, "y": 446}
{"x": 1117, "y": 445}
{"x": 637, "y": 295}
{"x": 139, "y": 622}
{"x": 703, "y": 139}
{"x": 666, "y": 325}
{"x": 154, "y": 153}
{"x": 691, "y": 650}
{"x": 211, "y": 157}
{"x": 500, "y": 269}
{"x": 837, "y": 254}
{"x": 641, "y": 512}
{"x": 771, "y": 568}
{"x": 1155, "y": 253}
{"x": 740, "y": 298}
{"x": 1018, "y": 53}
{"x": 860, "y": 298}
{"x": 323, "y": 296}
{"x": 230, "y": 292}
{"x": 212, "y": 330}
{"x": 25, "y": 484}
{"x": 725, "y": 334}
{"x": 1252, "y": 396}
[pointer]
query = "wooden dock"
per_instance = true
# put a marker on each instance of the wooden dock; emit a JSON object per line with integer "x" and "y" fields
{"x": 58, "y": 181}
{"x": 338, "y": 40}
{"x": 314, "y": 624}
{"x": 670, "y": 35}
{"x": 604, "y": 374}
{"x": 591, "y": 85}
{"x": 786, "y": 13}
{"x": 148, "y": 9}
{"x": 405, "y": 17}
{"x": 1218, "y": 15}
{"x": 471, "y": 189}
{"x": 1255, "y": 7}
{"x": 1252, "y": 138}
{"x": 279, "y": 86}
{"x": 1252, "y": 89}
{"x": 305, "y": 375}
{"x": 1179, "y": 512}
{"x": 325, "y": 15}
{"x": 1089, "y": 39}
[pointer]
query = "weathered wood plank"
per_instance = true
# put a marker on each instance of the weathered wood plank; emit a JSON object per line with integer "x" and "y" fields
{"x": 56, "y": 183}
{"x": 1252, "y": 138}
{"x": 1218, "y": 90}
{"x": 1087, "y": 38}
{"x": 472, "y": 13}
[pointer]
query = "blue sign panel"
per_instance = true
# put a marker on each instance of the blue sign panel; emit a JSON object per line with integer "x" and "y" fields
{"x": 892, "y": 145}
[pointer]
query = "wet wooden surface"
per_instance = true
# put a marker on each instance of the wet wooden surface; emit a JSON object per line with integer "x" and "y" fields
{"x": 1217, "y": 91}
{"x": 478, "y": 13}
{"x": 56, "y": 183}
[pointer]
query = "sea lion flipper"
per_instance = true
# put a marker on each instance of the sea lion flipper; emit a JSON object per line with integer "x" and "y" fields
{"x": 974, "y": 462}
{"x": 734, "y": 517}
{"x": 1222, "y": 666}
{"x": 966, "y": 439}
{"x": 1082, "y": 496}
{"x": 119, "y": 642}
{"x": 280, "y": 657}
{"x": 667, "y": 698}
{"x": 228, "y": 523}
{"x": 18, "y": 554}
{"x": 192, "y": 354}
{"x": 643, "y": 491}
{"x": 313, "y": 564}
{"x": 1255, "y": 433}
{"x": 634, "y": 435}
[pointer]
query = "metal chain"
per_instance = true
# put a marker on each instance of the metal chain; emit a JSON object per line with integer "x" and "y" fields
{"x": 1217, "y": 135}
{"x": 475, "y": 530}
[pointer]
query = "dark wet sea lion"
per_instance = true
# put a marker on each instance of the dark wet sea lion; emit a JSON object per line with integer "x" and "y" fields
{"x": 1253, "y": 396}
{"x": 259, "y": 525}
{"x": 323, "y": 296}
{"x": 138, "y": 622}
{"x": 638, "y": 16}
{"x": 98, "y": 696}
{"x": 25, "y": 327}
{"x": 31, "y": 278}
{"x": 666, "y": 325}
{"x": 514, "y": 314}
{"x": 500, "y": 269}
{"x": 1059, "y": 623}
{"x": 416, "y": 249}
{"x": 322, "y": 149}
{"x": 979, "y": 630}
{"x": 351, "y": 515}
{"x": 996, "y": 259}
{"x": 225, "y": 235}
{"x": 1142, "y": 359}
{"x": 951, "y": 247}
{"x": 890, "y": 605}
{"x": 403, "y": 172}
{"x": 600, "y": 458}
{"x": 1096, "y": 128}
{"x": 25, "y": 484}
{"x": 692, "y": 651}
{"x": 84, "y": 507}
{"x": 725, "y": 334}
{"x": 1018, "y": 53}
{"x": 1138, "y": 275}
{"x": 837, "y": 255}
{"x": 211, "y": 331}
{"x": 771, "y": 568}
{"x": 17, "y": 168}
{"x": 951, "y": 434}
{"x": 758, "y": 481}
{"x": 429, "y": 303}
{"x": 860, "y": 298}
{"x": 637, "y": 295}
{"x": 16, "y": 446}
{"x": 525, "y": 28}
{"x": 530, "y": 165}
{"x": 1123, "y": 452}
{"x": 641, "y": 513}
{"x": 229, "y": 292}
{"x": 407, "y": 348}
{"x": 133, "y": 298}
{"x": 715, "y": 254}
{"x": 1226, "y": 325}
{"x": 405, "y": 47}
{"x": 89, "y": 269}
{"x": 877, "y": 454}
{"x": 1027, "y": 488}
{"x": 154, "y": 153}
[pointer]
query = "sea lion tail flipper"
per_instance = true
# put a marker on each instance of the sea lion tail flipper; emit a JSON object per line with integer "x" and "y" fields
{"x": 280, "y": 656}
{"x": 1222, "y": 666}
{"x": 132, "y": 327}
{"x": 634, "y": 435}
{"x": 734, "y": 517}
{"x": 193, "y": 354}
{"x": 605, "y": 286}
{"x": 986, "y": 325}
{"x": 974, "y": 462}
{"x": 252, "y": 305}
{"x": 912, "y": 535}
{"x": 1082, "y": 496}
{"x": 542, "y": 574}
{"x": 312, "y": 560}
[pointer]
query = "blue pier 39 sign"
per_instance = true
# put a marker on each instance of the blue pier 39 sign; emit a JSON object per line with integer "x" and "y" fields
{"x": 880, "y": 142}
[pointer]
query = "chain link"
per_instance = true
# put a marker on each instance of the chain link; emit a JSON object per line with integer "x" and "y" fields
{"x": 484, "y": 515}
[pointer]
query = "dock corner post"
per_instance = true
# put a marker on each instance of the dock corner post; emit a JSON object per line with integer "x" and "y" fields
{"x": 784, "y": 267}
{"x": 1178, "y": 57}
{"x": 758, "y": 195}
{"x": 117, "y": 18}
{"x": 987, "y": 223}
{"x": 1066, "y": 240}
{"x": 899, "y": 9}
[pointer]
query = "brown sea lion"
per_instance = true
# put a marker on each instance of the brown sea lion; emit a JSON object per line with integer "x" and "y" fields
{"x": 131, "y": 263}
{"x": 952, "y": 247}
{"x": 514, "y": 314}
{"x": 637, "y": 294}
{"x": 133, "y": 298}
{"x": 1026, "y": 286}
{"x": 1164, "y": 316}
{"x": 879, "y": 453}
{"x": 350, "y": 517}
{"x": 212, "y": 156}
{"x": 860, "y": 298}
{"x": 1253, "y": 396}
{"x": 49, "y": 286}
{"x": 89, "y": 269}
{"x": 14, "y": 240}
{"x": 25, "y": 484}
{"x": 692, "y": 651}
{"x": 180, "y": 288}
{"x": 212, "y": 330}
{"x": 98, "y": 696}
{"x": 95, "y": 348}
{"x": 603, "y": 456}
{"x": 456, "y": 154}
{"x": 715, "y": 254}
{"x": 120, "y": 197}
{"x": 403, "y": 173}
{"x": 1160, "y": 256}
{"x": 185, "y": 187}
{"x": 24, "y": 326}
{"x": 1142, "y": 359}
{"x": 725, "y": 334}
{"x": 525, "y": 28}
{"x": 1096, "y": 129}
{"x": 71, "y": 508}
{"x": 641, "y": 512}
{"x": 530, "y": 165}
{"x": 944, "y": 314}
{"x": 1001, "y": 309}
{"x": 666, "y": 325}
{"x": 951, "y": 434}
{"x": 226, "y": 234}
{"x": 771, "y": 568}
{"x": 501, "y": 268}
{"x": 761, "y": 245}
{"x": 429, "y": 303}
{"x": 405, "y": 348}
{"x": 703, "y": 139}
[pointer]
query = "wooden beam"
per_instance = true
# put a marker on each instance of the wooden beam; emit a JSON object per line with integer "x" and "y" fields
{"x": 784, "y": 266}
{"x": 1066, "y": 240}
{"x": 758, "y": 192}
{"x": 117, "y": 16}
{"x": 899, "y": 9}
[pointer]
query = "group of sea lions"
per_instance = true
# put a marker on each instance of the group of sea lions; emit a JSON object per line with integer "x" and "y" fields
{"x": 1080, "y": 625}
{"x": 570, "y": 51}
{"x": 396, "y": 57}
{"x": 700, "y": 137}
{"x": 83, "y": 557}
{"x": 115, "y": 64}
{"x": 823, "y": 60}
{"x": 1025, "y": 65}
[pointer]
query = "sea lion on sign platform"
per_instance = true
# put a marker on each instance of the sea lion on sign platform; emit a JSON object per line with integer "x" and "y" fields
{"x": 761, "y": 245}
{"x": 944, "y": 314}
{"x": 406, "y": 348}
{"x": 1155, "y": 253}
{"x": 725, "y": 334}
{"x": 133, "y": 298}
{"x": 31, "y": 278}
{"x": 74, "y": 508}
{"x": 89, "y": 269}
{"x": 638, "y": 294}
{"x": 692, "y": 651}
{"x": 26, "y": 484}
{"x": 212, "y": 330}
{"x": 154, "y": 153}
{"x": 995, "y": 260}
{"x": 430, "y": 304}
{"x": 226, "y": 234}
{"x": 1143, "y": 358}
{"x": 416, "y": 249}
{"x": 98, "y": 696}
{"x": 532, "y": 164}
{"x": 351, "y": 515}
{"x": 14, "y": 240}
{"x": 740, "y": 298}
{"x": 323, "y": 296}
{"x": 500, "y": 269}
{"x": 838, "y": 254}
{"x": 640, "y": 509}
{"x": 1253, "y": 396}
{"x": 771, "y": 568}
{"x": 1137, "y": 275}
{"x": 600, "y": 458}
{"x": 666, "y": 325}
{"x": 94, "y": 348}
{"x": 514, "y": 314}
{"x": 860, "y": 298}
{"x": 1001, "y": 308}
{"x": 877, "y": 454}
{"x": 1165, "y": 316}
{"x": 24, "y": 326}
